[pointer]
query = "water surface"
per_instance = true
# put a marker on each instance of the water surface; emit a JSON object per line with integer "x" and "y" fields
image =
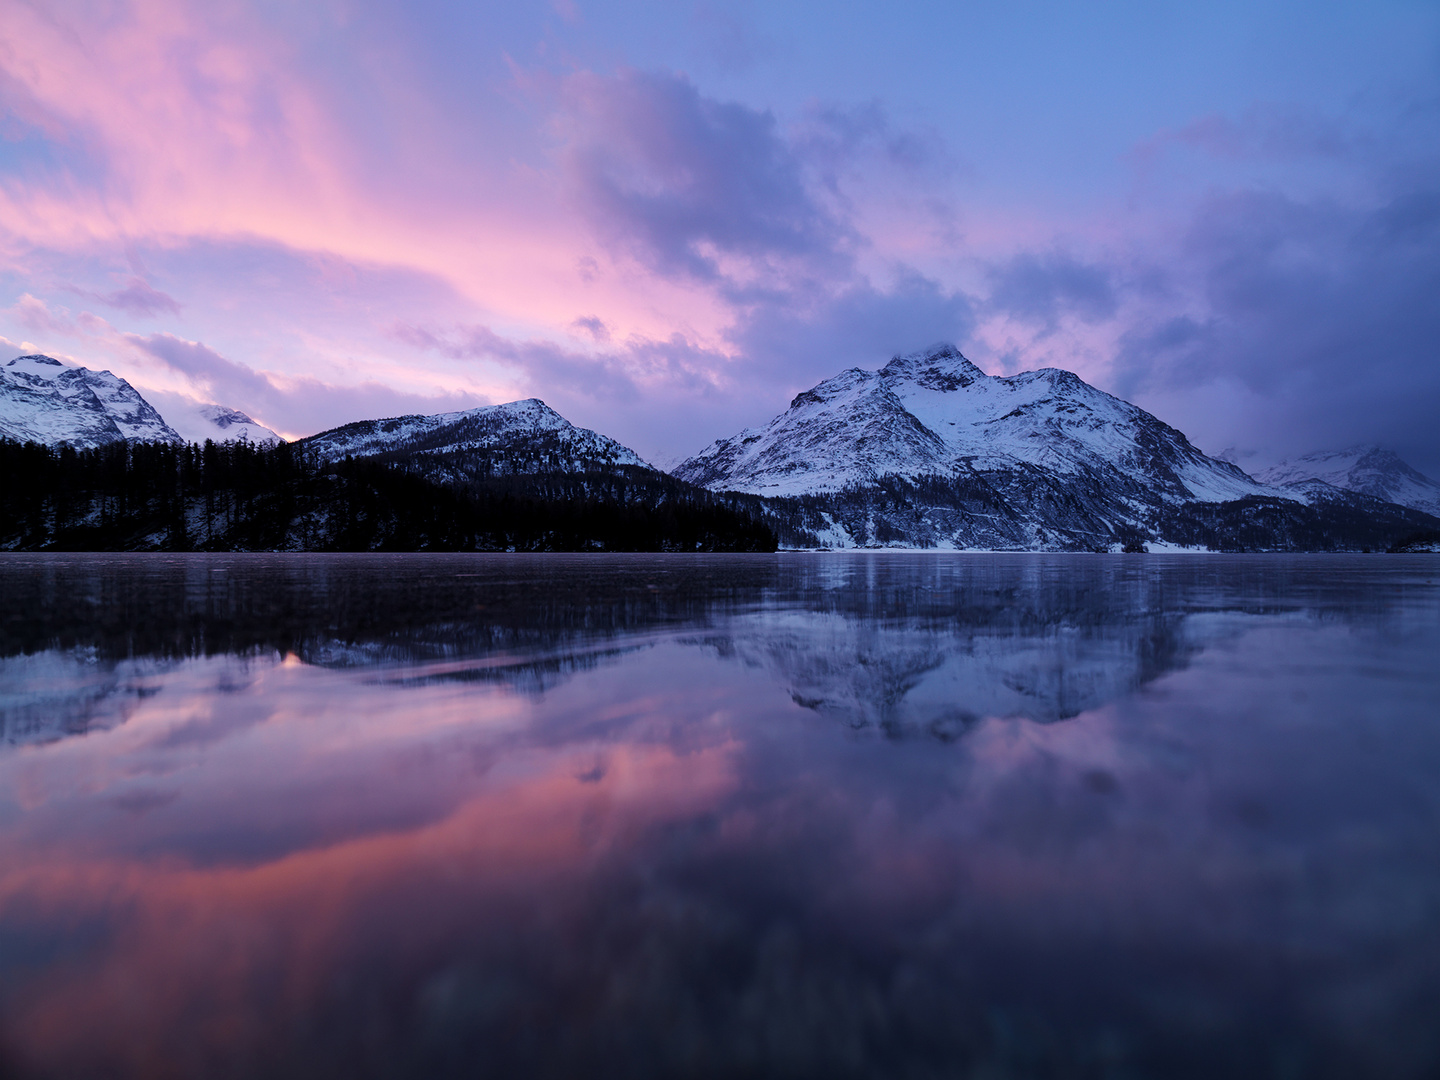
{"x": 793, "y": 815}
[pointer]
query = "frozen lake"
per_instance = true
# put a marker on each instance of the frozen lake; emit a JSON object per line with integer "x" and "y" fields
{"x": 894, "y": 815}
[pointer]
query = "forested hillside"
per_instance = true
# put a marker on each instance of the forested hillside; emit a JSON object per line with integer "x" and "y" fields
{"x": 243, "y": 497}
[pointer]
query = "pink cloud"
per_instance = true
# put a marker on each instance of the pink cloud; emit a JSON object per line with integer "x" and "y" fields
{"x": 138, "y": 297}
{"x": 35, "y": 315}
{"x": 188, "y": 121}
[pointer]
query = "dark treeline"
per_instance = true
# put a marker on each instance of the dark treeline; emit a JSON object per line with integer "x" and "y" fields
{"x": 244, "y": 497}
{"x": 929, "y": 511}
{"x": 1264, "y": 524}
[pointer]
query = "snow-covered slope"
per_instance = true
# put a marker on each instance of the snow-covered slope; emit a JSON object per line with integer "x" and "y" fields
{"x": 196, "y": 423}
{"x": 1367, "y": 470}
{"x": 935, "y": 413}
{"x": 929, "y": 451}
{"x": 43, "y": 400}
{"x": 517, "y": 437}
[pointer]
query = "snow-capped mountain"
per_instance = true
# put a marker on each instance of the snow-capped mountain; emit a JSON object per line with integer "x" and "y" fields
{"x": 45, "y": 401}
{"x": 1037, "y": 459}
{"x": 518, "y": 437}
{"x": 935, "y": 413}
{"x": 1368, "y": 470}
{"x": 198, "y": 422}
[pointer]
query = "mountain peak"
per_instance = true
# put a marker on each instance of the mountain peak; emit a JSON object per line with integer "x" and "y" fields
{"x": 527, "y": 429}
{"x": 940, "y": 367}
{"x": 45, "y": 401}
{"x": 35, "y": 366}
{"x": 1368, "y": 469}
{"x": 906, "y": 421}
{"x": 223, "y": 417}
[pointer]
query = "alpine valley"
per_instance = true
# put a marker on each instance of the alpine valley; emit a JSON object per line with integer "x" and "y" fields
{"x": 926, "y": 452}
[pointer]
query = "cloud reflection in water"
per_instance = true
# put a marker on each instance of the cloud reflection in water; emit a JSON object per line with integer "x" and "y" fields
{"x": 717, "y": 816}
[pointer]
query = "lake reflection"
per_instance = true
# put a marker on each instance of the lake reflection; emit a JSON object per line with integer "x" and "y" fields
{"x": 869, "y": 815}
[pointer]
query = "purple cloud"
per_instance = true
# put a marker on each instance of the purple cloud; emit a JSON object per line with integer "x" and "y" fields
{"x": 138, "y": 297}
{"x": 303, "y": 405}
{"x": 1326, "y": 312}
{"x": 592, "y": 325}
{"x": 1040, "y": 288}
{"x": 788, "y": 345}
{"x": 684, "y": 183}
{"x": 1262, "y": 132}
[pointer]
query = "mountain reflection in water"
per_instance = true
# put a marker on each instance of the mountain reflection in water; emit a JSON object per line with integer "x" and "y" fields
{"x": 731, "y": 815}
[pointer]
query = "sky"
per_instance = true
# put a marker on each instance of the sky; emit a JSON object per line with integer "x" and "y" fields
{"x": 666, "y": 219}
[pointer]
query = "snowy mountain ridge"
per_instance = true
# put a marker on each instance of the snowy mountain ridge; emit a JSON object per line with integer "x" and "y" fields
{"x": 219, "y": 423}
{"x": 518, "y": 436}
{"x": 935, "y": 413}
{"x": 931, "y": 452}
{"x": 1367, "y": 470}
{"x": 46, "y": 401}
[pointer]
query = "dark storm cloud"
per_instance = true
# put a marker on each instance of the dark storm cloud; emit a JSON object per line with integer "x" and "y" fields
{"x": 1040, "y": 288}
{"x": 684, "y": 182}
{"x": 1329, "y": 312}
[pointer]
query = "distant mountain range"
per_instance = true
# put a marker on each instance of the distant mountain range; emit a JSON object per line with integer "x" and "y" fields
{"x": 934, "y": 413}
{"x": 45, "y": 401}
{"x": 1367, "y": 470}
{"x": 928, "y": 451}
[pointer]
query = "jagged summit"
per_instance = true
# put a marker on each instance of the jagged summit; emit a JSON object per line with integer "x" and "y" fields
{"x": 220, "y": 423}
{"x": 936, "y": 413}
{"x": 44, "y": 400}
{"x": 1368, "y": 470}
{"x": 930, "y": 451}
{"x": 47, "y": 401}
{"x": 941, "y": 367}
{"x": 36, "y": 363}
{"x": 518, "y": 436}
